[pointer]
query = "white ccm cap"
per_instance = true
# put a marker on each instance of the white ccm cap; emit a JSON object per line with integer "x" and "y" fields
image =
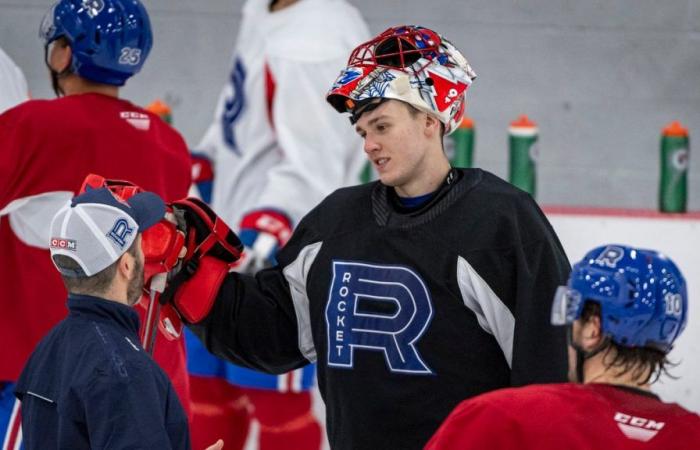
{"x": 95, "y": 229}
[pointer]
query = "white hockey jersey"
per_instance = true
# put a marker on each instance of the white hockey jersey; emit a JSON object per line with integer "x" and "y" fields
{"x": 275, "y": 142}
{"x": 13, "y": 85}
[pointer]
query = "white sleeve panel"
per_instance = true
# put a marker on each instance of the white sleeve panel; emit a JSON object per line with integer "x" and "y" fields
{"x": 30, "y": 217}
{"x": 296, "y": 275}
{"x": 318, "y": 145}
{"x": 13, "y": 85}
{"x": 491, "y": 313}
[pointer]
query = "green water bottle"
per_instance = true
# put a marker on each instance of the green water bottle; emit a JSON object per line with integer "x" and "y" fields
{"x": 673, "y": 188}
{"x": 461, "y": 152}
{"x": 523, "y": 135}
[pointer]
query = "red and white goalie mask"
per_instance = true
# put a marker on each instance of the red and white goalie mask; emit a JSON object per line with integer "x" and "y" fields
{"x": 408, "y": 63}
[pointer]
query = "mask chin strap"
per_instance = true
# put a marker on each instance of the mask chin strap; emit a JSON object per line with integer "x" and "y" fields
{"x": 581, "y": 354}
{"x": 55, "y": 75}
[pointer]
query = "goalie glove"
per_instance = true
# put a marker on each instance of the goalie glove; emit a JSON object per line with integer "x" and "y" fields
{"x": 263, "y": 233}
{"x": 212, "y": 248}
{"x": 194, "y": 248}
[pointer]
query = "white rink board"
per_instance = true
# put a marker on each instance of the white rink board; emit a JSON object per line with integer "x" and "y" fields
{"x": 679, "y": 238}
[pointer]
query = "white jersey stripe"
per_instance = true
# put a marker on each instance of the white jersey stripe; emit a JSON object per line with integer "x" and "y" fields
{"x": 296, "y": 379}
{"x": 296, "y": 274}
{"x": 14, "y": 416}
{"x": 31, "y": 216}
{"x": 491, "y": 313}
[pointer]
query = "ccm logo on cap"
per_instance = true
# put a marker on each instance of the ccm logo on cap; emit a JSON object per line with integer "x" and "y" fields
{"x": 68, "y": 244}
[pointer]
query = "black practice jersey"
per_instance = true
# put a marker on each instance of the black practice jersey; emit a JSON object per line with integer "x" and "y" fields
{"x": 406, "y": 312}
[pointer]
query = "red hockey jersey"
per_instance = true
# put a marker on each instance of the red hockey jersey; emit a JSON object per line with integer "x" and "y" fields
{"x": 47, "y": 147}
{"x": 568, "y": 416}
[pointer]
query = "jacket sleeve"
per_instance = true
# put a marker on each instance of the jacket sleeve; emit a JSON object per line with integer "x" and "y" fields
{"x": 120, "y": 413}
{"x": 539, "y": 348}
{"x": 262, "y": 321}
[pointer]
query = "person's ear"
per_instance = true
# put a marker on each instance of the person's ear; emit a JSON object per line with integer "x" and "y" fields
{"x": 591, "y": 334}
{"x": 126, "y": 265}
{"x": 432, "y": 125}
{"x": 61, "y": 56}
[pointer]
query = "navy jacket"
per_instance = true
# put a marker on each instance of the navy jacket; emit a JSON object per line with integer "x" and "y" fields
{"x": 90, "y": 385}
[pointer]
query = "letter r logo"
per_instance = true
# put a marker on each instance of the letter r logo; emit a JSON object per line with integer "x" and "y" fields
{"x": 379, "y": 308}
{"x": 610, "y": 256}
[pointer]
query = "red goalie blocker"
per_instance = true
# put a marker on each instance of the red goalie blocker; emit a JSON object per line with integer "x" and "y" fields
{"x": 201, "y": 246}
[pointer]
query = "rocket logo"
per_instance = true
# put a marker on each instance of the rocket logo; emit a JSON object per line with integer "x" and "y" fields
{"x": 377, "y": 308}
{"x": 120, "y": 232}
{"x": 93, "y": 7}
{"x": 610, "y": 256}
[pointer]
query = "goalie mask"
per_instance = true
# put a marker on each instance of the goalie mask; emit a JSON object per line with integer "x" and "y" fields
{"x": 408, "y": 63}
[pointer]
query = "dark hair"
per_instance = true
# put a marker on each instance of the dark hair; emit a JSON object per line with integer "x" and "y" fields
{"x": 96, "y": 284}
{"x": 645, "y": 363}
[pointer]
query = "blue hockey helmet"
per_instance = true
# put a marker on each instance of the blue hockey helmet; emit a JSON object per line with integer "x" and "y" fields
{"x": 110, "y": 39}
{"x": 641, "y": 293}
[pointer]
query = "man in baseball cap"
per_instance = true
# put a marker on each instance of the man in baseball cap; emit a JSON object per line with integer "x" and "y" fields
{"x": 92, "y": 233}
{"x": 89, "y": 383}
